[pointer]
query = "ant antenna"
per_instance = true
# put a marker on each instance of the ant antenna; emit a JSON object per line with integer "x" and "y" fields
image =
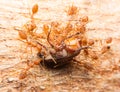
{"x": 42, "y": 45}
{"x": 48, "y": 36}
{"x": 85, "y": 47}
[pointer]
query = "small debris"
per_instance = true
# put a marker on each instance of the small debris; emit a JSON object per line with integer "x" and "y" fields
{"x": 42, "y": 87}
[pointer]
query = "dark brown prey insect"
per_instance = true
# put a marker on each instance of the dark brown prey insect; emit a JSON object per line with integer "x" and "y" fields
{"x": 59, "y": 60}
{"x": 60, "y": 55}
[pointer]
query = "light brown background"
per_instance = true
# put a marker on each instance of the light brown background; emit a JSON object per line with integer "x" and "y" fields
{"x": 104, "y": 22}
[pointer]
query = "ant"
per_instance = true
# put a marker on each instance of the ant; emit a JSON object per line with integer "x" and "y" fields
{"x": 62, "y": 51}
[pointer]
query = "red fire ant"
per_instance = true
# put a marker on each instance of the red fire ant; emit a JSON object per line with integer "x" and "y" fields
{"x": 57, "y": 52}
{"x": 54, "y": 56}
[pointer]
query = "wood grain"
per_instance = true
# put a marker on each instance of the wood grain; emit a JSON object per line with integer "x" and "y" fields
{"x": 104, "y": 22}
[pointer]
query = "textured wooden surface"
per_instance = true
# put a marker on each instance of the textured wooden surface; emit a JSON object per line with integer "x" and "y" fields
{"x": 104, "y": 22}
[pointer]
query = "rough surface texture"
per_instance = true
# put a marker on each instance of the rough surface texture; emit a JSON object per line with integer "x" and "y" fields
{"x": 104, "y": 22}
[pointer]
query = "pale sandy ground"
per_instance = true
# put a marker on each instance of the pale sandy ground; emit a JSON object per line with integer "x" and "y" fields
{"x": 104, "y": 22}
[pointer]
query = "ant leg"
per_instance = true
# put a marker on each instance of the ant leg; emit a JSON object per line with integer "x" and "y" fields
{"x": 85, "y": 47}
{"x": 86, "y": 65}
{"x": 42, "y": 45}
{"x": 82, "y": 48}
{"x": 71, "y": 36}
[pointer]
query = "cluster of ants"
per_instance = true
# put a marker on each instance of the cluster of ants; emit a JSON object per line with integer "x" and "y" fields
{"x": 58, "y": 44}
